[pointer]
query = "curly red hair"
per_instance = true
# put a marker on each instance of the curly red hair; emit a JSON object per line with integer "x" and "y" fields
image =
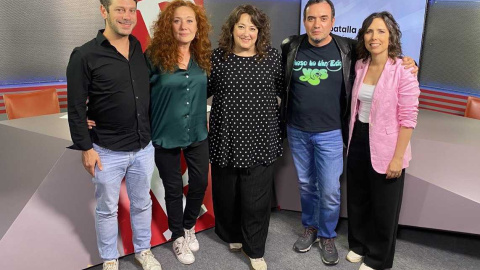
{"x": 163, "y": 49}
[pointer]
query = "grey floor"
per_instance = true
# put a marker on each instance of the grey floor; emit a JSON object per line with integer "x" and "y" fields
{"x": 417, "y": 249}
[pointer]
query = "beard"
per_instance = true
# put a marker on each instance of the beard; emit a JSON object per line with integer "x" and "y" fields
{"x": 317, "y": 40}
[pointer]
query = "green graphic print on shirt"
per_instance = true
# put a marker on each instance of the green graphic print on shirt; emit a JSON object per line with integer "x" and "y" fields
{"x": 316, "y": 71}
{"x": 316, "y": 87}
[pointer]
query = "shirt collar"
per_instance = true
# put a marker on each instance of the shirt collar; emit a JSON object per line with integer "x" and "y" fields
{"x": 101, "y": 38}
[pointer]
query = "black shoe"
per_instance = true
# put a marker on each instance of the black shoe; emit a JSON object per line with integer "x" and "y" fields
{"x": 328, "y": 251}
{"x": 305, "y": 242}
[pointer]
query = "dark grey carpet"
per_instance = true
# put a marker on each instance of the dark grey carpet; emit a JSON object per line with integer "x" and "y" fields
{"x": 417, "y": 249}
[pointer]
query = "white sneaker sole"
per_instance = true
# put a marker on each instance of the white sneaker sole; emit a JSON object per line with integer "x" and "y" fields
{"x": 186, "y": 263}
{"x": 354, "y": 259}
{"x": 250, "y": 264}
{"x": 141, "y": 265}
{"x": 235, "y": 249}
{"x": 330, "y": 263}
{"x": 307, "y": 249}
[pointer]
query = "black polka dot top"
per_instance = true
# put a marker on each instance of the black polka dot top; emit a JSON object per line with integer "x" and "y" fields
{"x": 244, "y": 120}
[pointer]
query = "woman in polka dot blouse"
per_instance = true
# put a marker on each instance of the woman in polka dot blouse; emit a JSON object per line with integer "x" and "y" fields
{"x": 244, "y": 134}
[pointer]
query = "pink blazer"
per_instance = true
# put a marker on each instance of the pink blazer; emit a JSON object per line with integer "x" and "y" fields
{"x": 394, "y": 104}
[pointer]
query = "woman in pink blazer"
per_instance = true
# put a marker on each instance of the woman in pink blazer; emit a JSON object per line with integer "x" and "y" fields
{"x": 383, "y": 115}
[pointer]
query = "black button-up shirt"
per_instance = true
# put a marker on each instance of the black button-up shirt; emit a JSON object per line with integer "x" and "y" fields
{"x": 118, "y": 96}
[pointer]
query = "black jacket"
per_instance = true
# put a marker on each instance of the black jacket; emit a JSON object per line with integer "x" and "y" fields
{"x": 347, "y": 51}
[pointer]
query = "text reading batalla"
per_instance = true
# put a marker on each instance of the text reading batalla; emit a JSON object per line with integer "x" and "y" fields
{"x": 345, "y": 29}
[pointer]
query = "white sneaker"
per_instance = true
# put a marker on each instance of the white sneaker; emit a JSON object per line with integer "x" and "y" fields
{"x": 110, "y": 265}
{"x": 258, "y": 264}
{"x": 234, "y": 247}
{"x": 365, "y": 267}
{"x": 147, "y": 260}
{"x": 182, "y": 251}
{"x": 192, "y": 239}
{"x": 354, "y": 257}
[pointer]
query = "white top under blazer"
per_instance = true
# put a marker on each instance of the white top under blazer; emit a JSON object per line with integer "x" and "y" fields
{"x": 365, "y": 97}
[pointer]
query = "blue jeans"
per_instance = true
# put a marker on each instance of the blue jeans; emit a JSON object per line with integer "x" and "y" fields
{"x": 137, "y": 168}
{"x": 318, "y": 158}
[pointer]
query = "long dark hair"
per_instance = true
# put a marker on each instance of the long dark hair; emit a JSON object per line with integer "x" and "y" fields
{"x": 394, "y": 46}
{"x": 259, "y": 19}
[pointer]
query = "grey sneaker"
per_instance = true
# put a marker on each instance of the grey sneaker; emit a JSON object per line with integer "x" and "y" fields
{"x": 305, "y": 241}
{"x": 328, "y": 251}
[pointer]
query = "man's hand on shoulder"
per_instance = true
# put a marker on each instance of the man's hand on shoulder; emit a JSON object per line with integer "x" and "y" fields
{"x": 409, "y": 63}
{"x": 90, "y": 158}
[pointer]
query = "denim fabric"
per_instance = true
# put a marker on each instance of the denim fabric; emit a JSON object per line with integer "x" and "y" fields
{"x": 137, "y": 168}
{"x": 318, "y": 158}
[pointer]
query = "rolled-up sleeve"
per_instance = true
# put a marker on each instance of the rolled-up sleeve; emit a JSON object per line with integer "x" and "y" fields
{"x": 408, "y": 94}
{"x": 78, "y": 83}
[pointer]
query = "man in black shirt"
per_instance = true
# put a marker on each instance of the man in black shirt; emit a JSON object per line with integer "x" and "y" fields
{"x": 319, "y": 67}
{"x": 319, "y": 75}
{"x": 110, "y": 71}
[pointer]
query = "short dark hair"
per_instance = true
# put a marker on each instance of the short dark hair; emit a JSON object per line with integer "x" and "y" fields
{"x": 259, "y": 19}
{"x": 311, "y": 2}
{"x": 394, "y": 46}
{"x": 107, "y": 3}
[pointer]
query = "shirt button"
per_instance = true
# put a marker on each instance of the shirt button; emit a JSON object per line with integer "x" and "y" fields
{"x": 133, "y": 80}
{"x": 138, "y": 114}
{"x": 186, "y": 75}
{"x": 188, "y": 103}
{"x": 188, "y": 89}
{"x": 186, "y": 116}
{"x": 136, "y": 97}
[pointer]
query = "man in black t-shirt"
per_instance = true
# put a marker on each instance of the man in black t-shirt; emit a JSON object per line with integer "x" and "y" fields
{"x": 319, "y": 74}
{"x": 315, "y": 110}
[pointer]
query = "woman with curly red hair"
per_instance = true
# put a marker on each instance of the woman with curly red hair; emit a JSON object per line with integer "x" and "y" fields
{"x": 179, "y": 62}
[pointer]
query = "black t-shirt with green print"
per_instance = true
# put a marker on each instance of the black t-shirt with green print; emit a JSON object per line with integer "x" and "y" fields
{"x": 316, "y": 87}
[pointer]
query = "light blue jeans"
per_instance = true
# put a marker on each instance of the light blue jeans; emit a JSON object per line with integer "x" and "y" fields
{"x": 318, "y": 158}
{"x": 137, "y": 168}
